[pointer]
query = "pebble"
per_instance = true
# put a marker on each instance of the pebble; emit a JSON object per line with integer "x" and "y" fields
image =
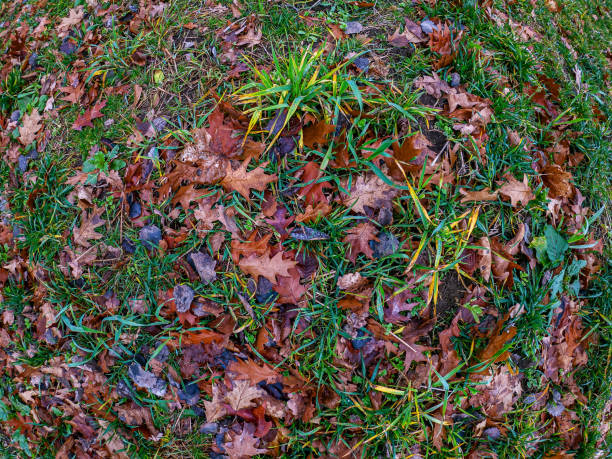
{"x": 353, "y": 27}
{"x": 362, "y": 63}
{"x": 428, "y": 26}
{"x": 190, "y": 395}
{"x": 385, "y": 246}
{"x": 183, "y": 297}
{"x": 455, "y": 79}
{"x": 150, "y": 236}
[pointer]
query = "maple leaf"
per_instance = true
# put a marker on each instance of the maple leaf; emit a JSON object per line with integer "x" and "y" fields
{"x": 517, "y": 192}
{"x": 29, "y": 129}
{"x": 87, "y": 230}
{"x": 242, "y": 395}
{"x": 85, "y": 119}
{"x": 243, "y": 445}
{"x": 266, "y": 266}
{"x": 369, "y": 191}
{"x": 242, "y": 181}
{"x": 359, "y": 238}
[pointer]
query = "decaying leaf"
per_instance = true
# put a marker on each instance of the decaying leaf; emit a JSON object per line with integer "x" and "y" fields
{"x": 369, "y": 191}
{"x": 242, "y": 181}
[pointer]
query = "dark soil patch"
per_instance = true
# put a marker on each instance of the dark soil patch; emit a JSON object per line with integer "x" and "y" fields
{"x": 450, "y": 293}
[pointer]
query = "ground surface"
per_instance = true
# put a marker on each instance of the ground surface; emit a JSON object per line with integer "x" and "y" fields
{"x": 303, "y": 229}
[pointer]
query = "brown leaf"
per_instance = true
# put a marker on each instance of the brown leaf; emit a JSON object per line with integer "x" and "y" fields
{"x": 252, "y": 246}
{"x": 316, "y": 134}
{"x": 29, "y": 129}
{"x": 477, "y": 195}
{"x": 87, "y": 230}
{"x": 359, "y": 238}
{"x": 371, "y": 191}
{"x": 351, "y": 282}
{"x": 248, "y": 369}
{"x": 85, "y": 119}
{"x": 434, "y": 86}
{"x": 497, "y": 393}
{"x": 242, "y": 395}
{"x": 243, "y": 445}
{"x": 485, "y": 258}
{"x": 242, "y": 181}
{"x": 517, "y": 192}
{"x": 310, "y": 214}
{"x": 558, "y": 181}
{"x": 215, "y": 409}
{"x": 186, "y": 194}
{"x": 412, "y": 34}
{"x": 75, "y": 16}
{"x": 266, "y": 266}
{"x": 313, "y": 189}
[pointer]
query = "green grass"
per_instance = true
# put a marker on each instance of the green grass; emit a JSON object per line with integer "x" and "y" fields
{"x": 378, "y": 408}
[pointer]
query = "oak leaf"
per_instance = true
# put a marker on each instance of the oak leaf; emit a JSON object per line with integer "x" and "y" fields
{"x": 434, "y": 86}
{"x": 313, "y": 190}
{"x": 248, "y": 369}
{"x": 87, "y": 230}
{"x": 186, "y": 194}
{"x": 75, "y": 16}
{"x": 412, "y": 34}
{"x": 369, "y": 191}
{"x": 317, "y": 133}
{"x": 250, "y": 246}
{"x": 359, "y": 238}
{"x": 266, "y": 266}
{"x": 517, "y": 192}
{"x": 29, "y": 129}
{"x": 242, "y": 181}
{"x": 243, "y": 445}
{"x": 84, "y": 120}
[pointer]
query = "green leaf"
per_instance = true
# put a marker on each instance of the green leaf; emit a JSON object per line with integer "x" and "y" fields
{"x": 556, "y": 245}
{"x": 539, "y": 244}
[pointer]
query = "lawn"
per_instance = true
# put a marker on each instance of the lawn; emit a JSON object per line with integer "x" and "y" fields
{"x": 305, "y": 229}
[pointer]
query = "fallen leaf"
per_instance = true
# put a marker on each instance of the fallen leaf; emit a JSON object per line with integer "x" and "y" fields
{"x": 84, "y": 120}
{"x": 87, "y": 230}
{"x": 248, "y": 369}
{"x": 242, "y": 395}
{"x": 243, "y": 445}
{"x": 266, "y": 266}
{"x": 517, "y": 192}
{"x": 359, "y": 238}
{"x": 371, "y": 191}
{"x": 29, "y": 129}
{"x": 242, "y": 181}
